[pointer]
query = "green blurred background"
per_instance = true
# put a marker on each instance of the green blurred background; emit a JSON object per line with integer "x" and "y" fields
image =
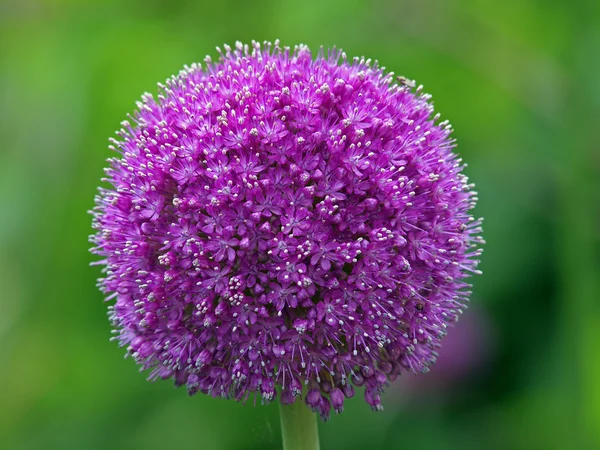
{"x": 519, "y": 80}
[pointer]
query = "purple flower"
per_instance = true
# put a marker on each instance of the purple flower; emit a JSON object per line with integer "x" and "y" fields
{"x": 285, "y": 226}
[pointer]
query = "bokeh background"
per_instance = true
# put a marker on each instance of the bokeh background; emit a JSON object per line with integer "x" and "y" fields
{"x": 519, "y": 80}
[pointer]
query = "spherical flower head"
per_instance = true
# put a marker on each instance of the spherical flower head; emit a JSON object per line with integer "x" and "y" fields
{"x": 285, "y": 226}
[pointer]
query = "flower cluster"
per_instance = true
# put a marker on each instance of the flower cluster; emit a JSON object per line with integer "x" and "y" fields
{"x": 283, "y": 226}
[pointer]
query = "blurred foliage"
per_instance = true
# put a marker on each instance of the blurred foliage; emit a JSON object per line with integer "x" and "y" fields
{"x": 519, "y": 81}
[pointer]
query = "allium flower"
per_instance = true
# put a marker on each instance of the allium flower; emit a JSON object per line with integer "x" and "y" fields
{"x": 284, "y": 226}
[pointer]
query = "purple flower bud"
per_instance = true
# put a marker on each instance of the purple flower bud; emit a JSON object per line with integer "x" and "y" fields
{"x": 268, "y": 389}
{"x": 324, "y": 409}
{"x": 313, "y": 399}
{"x": 348, "y": 390}
{"x": 277, "y": 221}
{"x": 287, "y": 398}
{"x": 204, "y": 357}
{"x": 373, "y": 399}
{"x": 337, "y": 400}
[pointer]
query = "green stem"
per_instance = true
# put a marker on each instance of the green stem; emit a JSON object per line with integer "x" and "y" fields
{"x": 299, "y": 427}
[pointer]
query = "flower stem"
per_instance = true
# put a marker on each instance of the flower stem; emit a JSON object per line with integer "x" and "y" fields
{"x": 299, "y": 427}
